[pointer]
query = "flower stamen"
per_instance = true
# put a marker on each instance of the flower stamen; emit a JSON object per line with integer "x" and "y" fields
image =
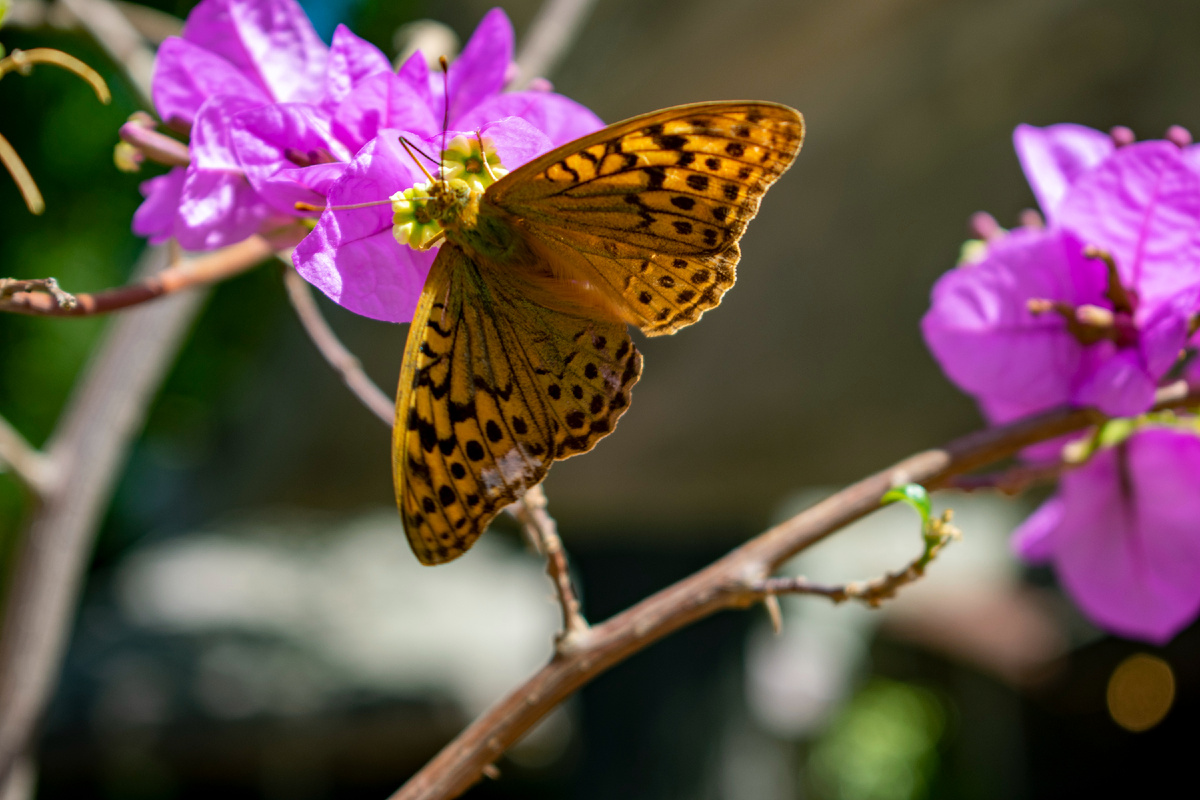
{"x": 1123, "y": 300}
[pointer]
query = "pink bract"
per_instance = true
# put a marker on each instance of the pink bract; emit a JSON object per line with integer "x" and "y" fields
{"x": 1123, "y": 534}
{"x": 235, "y": 57}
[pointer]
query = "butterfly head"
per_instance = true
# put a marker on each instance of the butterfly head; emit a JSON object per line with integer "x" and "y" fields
{"x": 422, "y": 214}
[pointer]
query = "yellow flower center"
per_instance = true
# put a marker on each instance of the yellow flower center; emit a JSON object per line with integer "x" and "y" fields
{"x": 469, "y": 166}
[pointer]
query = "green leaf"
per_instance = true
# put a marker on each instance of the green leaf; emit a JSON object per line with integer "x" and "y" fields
{"x": 912, "y": 494}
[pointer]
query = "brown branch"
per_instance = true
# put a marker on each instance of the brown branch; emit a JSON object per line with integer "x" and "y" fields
{"x": 87, "y": 450}
{"x": 532, "y": 514}
{"x": 124, "y": 45}
{"x": 1011, "y": 481}
{"x": 22, "y": 61}
{"x": 152, "y": 24}
{"x": 24, "y": 460}
{"x": 341, "y": 359}
{"x": 734, "y": 581}
{"x": 215, "y": 266}
{"x": 20, "y": 175}
{"x": 550, "y": 35}
{"x": 11, "y": 286}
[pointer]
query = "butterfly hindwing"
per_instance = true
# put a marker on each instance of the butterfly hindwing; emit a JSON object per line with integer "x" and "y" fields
{"x": 650, "y": 210}
{"x": 494, "y": 388}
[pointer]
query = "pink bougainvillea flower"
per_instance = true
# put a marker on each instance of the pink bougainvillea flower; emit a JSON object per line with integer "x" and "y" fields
{"x": 1054, "y": 156}
{"x": 1093, "y": 310}
{"x": 236, "y": 57}
{"x": 352, "y": 254}
{"x": 415, "y": 99}
{"x": 1123, "y": 534}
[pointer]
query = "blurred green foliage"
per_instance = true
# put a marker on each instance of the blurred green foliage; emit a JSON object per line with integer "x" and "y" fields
{"x": 882, "y": 746}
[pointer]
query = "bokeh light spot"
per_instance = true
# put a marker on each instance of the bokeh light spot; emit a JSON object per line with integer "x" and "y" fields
{"x": 1140, "y": 692}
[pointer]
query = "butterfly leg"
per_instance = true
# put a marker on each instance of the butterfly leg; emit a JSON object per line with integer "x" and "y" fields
{"x": 531, "y": 512}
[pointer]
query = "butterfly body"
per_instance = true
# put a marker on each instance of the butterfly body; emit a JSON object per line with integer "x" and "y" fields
{"x": 519, "y": 353}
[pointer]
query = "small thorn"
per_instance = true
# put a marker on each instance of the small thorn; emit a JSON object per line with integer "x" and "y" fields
{"x": 491, "y": 771}
{"x": 771, "y": 603}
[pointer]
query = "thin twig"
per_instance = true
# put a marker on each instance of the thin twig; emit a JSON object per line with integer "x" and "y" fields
{"x": 734, "y": 581}
{"x": 11, "y": 286}
{"x": 550, "y": 35}
{"x": 530, "y": 511}
{"x": 532, "y": 514}
{"x": 216, "y": 266}
{"x": 340, "y": 358}
{"x": 22, "y": 61}
{"x": 20, "y": 175}
{"x": 114, "y": 32}
{"x": 87, "y": 449}
{"x": 24, "y": 460}
{"x": 152, "y": 24}
{"x": 873, "y": 592}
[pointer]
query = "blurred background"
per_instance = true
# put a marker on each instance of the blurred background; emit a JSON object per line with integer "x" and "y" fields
{"x": 253, "y": 624}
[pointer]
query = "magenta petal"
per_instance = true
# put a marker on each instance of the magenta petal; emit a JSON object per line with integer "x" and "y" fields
{"x": 382, "y": 101}
{"x": 983, "y": 335}
{"x": 218, "y": 209}
{"x": 351, "y": 256}
{"x": 1164, "y": 333}
{"x": 1033, "y": 540}
{"x": 374, "y": 276}
{"x": 185, "y": 75}
{"x": 415, "y": 73}
{"x": 211, "y": 145}
{"x": 1128, "y": 549}
{"x": 1055, "y": 156}
{"x": 155, "y": 217}
{"x": 516, "y": 141}
{"x": 478, "y": 72}
{"x": 279, "y": 137}
{"x": 269, "y": 41}
{"x": 561, "y": 119}
{"x": 1143, "y": 206}
{"x": 318, "y": 178}
{"x": 381, "y": 169}
{"x": 1118, "y": 387}
{"x": 351, "y": 60}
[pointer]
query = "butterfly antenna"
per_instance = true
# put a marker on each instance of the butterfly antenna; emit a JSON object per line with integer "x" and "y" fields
{"x": 483, "y": 155}
{"x": 445, "y": 112}
{"x": 409, "y": 149}
{"x": 419, "y": 151}
{"x": 301, "y": 206}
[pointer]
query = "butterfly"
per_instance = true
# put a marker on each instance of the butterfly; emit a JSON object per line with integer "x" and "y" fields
{"x": 519, "y": 353}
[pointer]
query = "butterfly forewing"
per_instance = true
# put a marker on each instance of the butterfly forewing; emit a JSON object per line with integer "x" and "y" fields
{"x": 650, "y": 210}
{"x": 494, "y": 389}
